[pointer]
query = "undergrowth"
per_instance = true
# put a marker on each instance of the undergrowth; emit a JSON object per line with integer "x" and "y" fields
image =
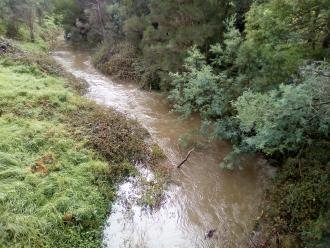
{"x": 296, "y": 207}
{"x": 120, "y": 61}
{"x": 124, "y": 62}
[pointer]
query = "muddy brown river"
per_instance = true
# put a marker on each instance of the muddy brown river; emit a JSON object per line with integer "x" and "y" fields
{"x": 200, "y": 197}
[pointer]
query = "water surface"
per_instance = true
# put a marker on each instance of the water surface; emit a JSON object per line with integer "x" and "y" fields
{"x": 200, "y": 196}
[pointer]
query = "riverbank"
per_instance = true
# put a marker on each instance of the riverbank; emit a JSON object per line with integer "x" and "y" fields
{"x": 61, "y": 156}
{"x": 200, "y": 196}
{"x": 294, "y": 210}
{"x": 212, "y": 194}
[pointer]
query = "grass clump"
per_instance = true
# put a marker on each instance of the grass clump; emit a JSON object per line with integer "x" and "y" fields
{"x": 29, "y": 54}
{"x": 111, "y": 133}
{"x": 60, "y": 158}
{"x": 33, "y": 57}
{"x": 153, "y": 190}
{"x": 157, "y": 154}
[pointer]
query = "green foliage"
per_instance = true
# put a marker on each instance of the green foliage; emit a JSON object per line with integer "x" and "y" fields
{"x": 29, "y": 21}
{"x": 20, "y": 16}
{"x": 34, "y": 204}
{"x": 264, "y": 60}
{"x": 298, "y": 201}
{"x": 264, "y": 92}
{"x": 45, "y": 174}
{"x": 156, "y": 153}
{"x": 287, "y": 119}
{"x": 191, "y": 23}
{"x": 115, "y": 25}
{"x": 255, "y": 80}
{"x": 200, "y": 88}
{"x": 134, "y": 28}
{"x": 49, "y": 30}
{"x": 292, "y": 120}
{"x": 68, "y": 11}
{"x": 161, "y": 41}
{"x": 30, "y": 55}
{"x": 281, "y": 34}
{"x": 209, "y": 88}
{"x": 118, "y": 60}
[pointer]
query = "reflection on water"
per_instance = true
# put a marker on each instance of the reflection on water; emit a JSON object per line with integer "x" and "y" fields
{"x": 200, "y": 197}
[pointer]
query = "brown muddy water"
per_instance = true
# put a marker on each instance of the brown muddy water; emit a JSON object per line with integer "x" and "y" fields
{"x": 200, "y": 196}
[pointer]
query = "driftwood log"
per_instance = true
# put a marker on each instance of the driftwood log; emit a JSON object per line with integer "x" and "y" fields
{"x": 185, "y": 160}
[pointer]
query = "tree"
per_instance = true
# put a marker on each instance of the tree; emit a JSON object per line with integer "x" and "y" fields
{"x": 27, "y": 10}
{"x": 20, "y": 12}
{"x": 70, "y": 11}
{"x": 191, "y": 23}
{"x": 136, "y": 12}
{"x": 289, "y": 118}
{"x": 209, "y": 86}
{"x": 280, "y": 36}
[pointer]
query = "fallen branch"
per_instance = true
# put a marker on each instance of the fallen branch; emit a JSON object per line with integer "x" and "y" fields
{"x": 185, "y": 160}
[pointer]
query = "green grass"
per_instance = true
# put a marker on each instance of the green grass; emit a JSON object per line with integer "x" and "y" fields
{"x": 57, "y": 182}
{"x": 38, "y": 46}
{"x": 33, "y": 204}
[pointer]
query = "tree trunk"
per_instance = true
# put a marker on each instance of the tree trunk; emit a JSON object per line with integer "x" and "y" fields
{"x": 100, "y": 17}
{"x": 32, "y": 38}
{"x": 30, "y": 21}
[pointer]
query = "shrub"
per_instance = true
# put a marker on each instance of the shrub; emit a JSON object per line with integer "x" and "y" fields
{"x": 290, "y": 118}
{"x": 298, "y": 201}
{"x": 110, "y": 133}
{"x": 118, "y": 60}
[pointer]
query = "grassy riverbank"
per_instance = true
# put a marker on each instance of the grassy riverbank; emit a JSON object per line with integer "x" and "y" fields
{"x": 60, "y": 155}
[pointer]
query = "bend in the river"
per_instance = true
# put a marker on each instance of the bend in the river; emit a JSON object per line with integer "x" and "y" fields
{"x": 201, "y": 196}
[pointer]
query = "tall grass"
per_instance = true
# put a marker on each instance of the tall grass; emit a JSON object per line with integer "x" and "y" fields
{"x": 56, "y": 182}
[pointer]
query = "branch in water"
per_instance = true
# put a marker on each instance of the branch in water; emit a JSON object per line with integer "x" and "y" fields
{"x": 185, "y": 160}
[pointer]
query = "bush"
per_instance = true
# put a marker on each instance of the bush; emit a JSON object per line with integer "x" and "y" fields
{"x": 119, "y": 61}
{"x": 290, "y": 118}
{"x": 12, "y": 30}
{"x": 298, "y": 201}
{"x": 150, "y": 79}
{"x": 50, "y": 31}
{"x": 2, "y": 29}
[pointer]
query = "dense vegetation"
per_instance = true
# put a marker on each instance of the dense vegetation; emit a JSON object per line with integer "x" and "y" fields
{"x": 256, "y": 71}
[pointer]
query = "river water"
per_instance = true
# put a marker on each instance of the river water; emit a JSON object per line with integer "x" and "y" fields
{"x": 200, "y": 196}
